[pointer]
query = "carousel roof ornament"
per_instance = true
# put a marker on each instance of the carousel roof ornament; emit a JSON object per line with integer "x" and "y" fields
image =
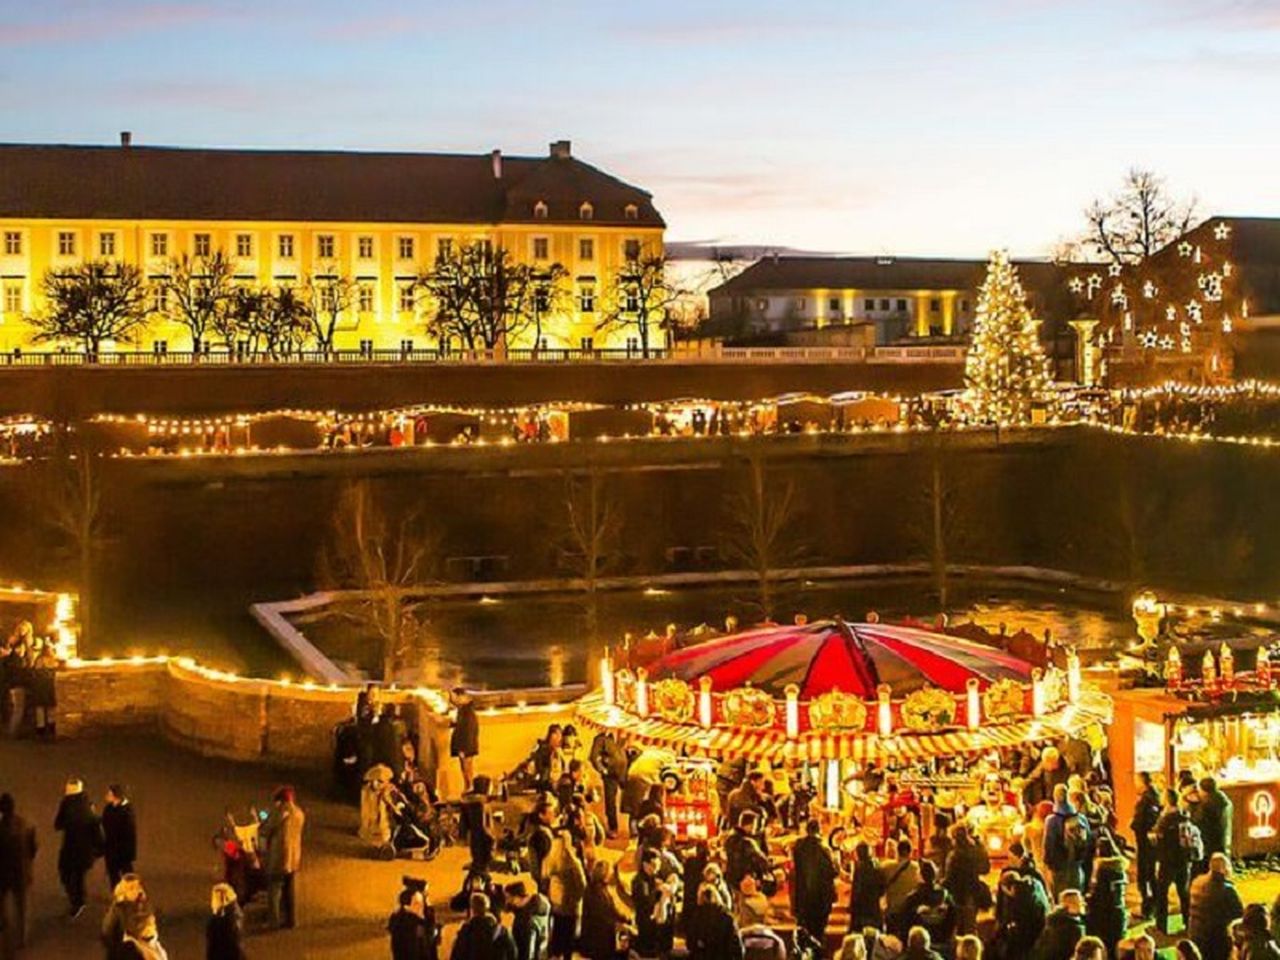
{"x": 837, "y": 690}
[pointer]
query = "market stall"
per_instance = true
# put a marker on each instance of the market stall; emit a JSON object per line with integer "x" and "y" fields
{"x": 860, "y": 410}
{"x": 879, "y": 712}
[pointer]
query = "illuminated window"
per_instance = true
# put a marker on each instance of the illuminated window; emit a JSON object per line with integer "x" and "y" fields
{"x": 631, "y": 212}
{"x": 67, "y": 243}
{"x": 444, "y": 248}
{"x": 539, "y": 211}
{"x": 159, "y": 244}
{"x": 631, "y": 249}
{"x": 284, "y": 246}
{"x": 106, "y": 244}
{"x": 407, "y": 301}
{"x": 586, "y": 249}
{"x": 201, "y": 245}
{"x": 13, "y": 298}
{"x": 541, "y": 248}
{"x": 366, "y": 298}
{"x": 325, "y": 246}
{"x": 586, "y": 212}
{"x": 12, "y": 243}
{"x": 587, "y": 298}
{"x": 404, "y": 248}
{"x": 244, "y": 245}
{"x": 364, "y": 248}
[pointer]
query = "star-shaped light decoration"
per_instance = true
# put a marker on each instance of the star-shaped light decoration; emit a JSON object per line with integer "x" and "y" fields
{"x": 1185, "y": 248}
{"x": 1095, "y": 282}
{"x": 1184, "y": 334}
{"x": 1195, "y": 311}
{"x": 1227, "y": 268}
{"x": 1171, "y": 313}
{"x": 1115, "y": 269}
{"x": 1222, "y": 231}
{"x": 1149, "y": 339}
{"x": 1075, "y": 284}
{"x": 1226, "y": 324}
{"x": 1213, "y": 287}
{"x": 1166, "y": 342}
{"x": 1119, "y": 297}
{"x": 1149, "y": 290}
{"x": 1128, "y": 320}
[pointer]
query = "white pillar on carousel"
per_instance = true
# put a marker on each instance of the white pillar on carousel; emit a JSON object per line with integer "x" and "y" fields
{"x": 642, "y": 692}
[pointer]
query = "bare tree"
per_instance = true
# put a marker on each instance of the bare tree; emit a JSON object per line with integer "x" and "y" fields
{"x": 200, "y": 291}
{"x": 386, "y": 561}
{"x": 761, "y": 530}
{"x": 71, "y": 489}
{"x": 641, "y": 297}
{"x": 275, "y": 322}
{"x": 480, "y": 297}
{"x": 331, "y": 295}
{"x": 93, "y": 302}
{"x": 941, "y": 531}
{"x": 1138, "y": 220}
{"x": 593, "y": 524}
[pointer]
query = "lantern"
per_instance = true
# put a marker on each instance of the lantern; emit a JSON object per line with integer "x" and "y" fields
{"x": 1208, "y": 669}
{"x": 973, "y": 703}
{"x": 884, "y": 710}
{"x": 1173, "y": 668}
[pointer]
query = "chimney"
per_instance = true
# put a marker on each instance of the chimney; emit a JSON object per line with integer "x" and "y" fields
{"x": 126, "y": 139}
{"x": 560, "y": 150}
{"x": 496, "y": 156}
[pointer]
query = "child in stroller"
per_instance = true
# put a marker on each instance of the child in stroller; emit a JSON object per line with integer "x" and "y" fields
{"x": 395, "y": 823}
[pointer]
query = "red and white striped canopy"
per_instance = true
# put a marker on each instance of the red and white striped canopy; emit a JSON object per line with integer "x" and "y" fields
{"x": 853, "y": 658}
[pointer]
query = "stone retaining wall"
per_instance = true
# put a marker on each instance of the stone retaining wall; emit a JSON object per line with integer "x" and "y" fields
{"x": 266, "y": 721}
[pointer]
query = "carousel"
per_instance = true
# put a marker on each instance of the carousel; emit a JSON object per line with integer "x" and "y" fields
{"x": 929, "y": 712}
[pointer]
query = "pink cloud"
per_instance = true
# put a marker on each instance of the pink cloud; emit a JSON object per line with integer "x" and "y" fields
{"x": 70, "y": 22}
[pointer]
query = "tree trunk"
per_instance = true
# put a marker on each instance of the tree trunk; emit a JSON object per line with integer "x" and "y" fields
{"x": 391, "y": 652}
{"x": 938, "y": 554}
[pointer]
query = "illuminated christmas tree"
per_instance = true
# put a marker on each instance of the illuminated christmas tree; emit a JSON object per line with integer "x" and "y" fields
{"x": 1005, "y": 371}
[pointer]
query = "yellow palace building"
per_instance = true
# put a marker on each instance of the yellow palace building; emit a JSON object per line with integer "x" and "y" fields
{"x": 283, "y": 215}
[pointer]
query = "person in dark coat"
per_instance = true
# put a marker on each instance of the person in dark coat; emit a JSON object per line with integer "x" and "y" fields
{"x": 1213, "y": 816}
{"x": 865, "y": 891}
{"x": 42, "y": 691}
{"x": 388, "y": 734}
{"x": 482, "y": 935}
{"x": 742, "y": 853}
{"x": 1214, "y": 904}
{"x": 1021, "y": 908}
{"x": 224, "y": 930}
{"x": 81, "y": 842}
{"x": 967, "y": 867}
{"x": 712, "y": 934}
{"x": 1173, "y": 860}
{"x": 413, "y": 931}
{"x": 1067, "y": 844}
{"x": 1064, "y": 927}
{"x": 464, "y": 742}
{"x": 601, "y": 916}
{"x": 530, "y": 921}
{"x": 813, "y": 881}
{"x": 1146, "y": 811}
{"x": 119, "y": 834}
{"x": 655, "y": 925}
{"x": 609, "y": 759}
{"x": 17, "y": 860}
{"x": 929, "y": 906}
{"x": 1108, "y": 917}
{"x": 1256, "y": 941}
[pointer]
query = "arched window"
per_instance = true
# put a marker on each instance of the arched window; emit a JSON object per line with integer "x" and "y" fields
{"x": 586, "y": 211}
{"x": 539, "y": 211}
{"x": 631, "y": 212}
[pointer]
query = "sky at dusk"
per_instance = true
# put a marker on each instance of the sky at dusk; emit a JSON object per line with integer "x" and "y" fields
{"x": 894, "y": 126}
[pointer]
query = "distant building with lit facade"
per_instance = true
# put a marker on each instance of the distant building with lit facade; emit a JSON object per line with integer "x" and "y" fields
{"x": 284, "y": 215}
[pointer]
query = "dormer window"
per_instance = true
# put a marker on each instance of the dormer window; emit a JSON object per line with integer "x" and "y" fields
{"x": 586, "y": 211}
{"x": 631, "y": 212}
{"x": 539, "y": 211}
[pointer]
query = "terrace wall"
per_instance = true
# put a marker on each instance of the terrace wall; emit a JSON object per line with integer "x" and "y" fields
{"x": 286, "y": 726}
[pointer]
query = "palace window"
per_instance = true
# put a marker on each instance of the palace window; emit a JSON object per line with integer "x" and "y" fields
{"x": 586, "y": 211}
{"x": 935, "y": 305}
{"x": 160, "y": 297}
{"x": 631, "y": 302}
{"x": 325, "y": 246}
{"x": 159, "y": 244}
{"x": 407, "y": 300}
{"x": 587, "y": 299}
{"x": 444, "y": 248}
{"x": 404, "y": 248}
{"x": 542, "y": 298}
{"x": 541, "y": 248}
{"x": 201, "y": 244}
{"x": 366, "y": 297}
{"x": 539, "y": 211}
{"x": 964, "y": 306}
{"x": 631, "y": 249}
{"x": 884, "y": 304}
{"x": 868, "y": 305}
{"x": 284, "y": 246}
{"x": 13, "y": 298}
{"x": 67, "y": 243}
{"x": 160, "y": 347}
{"x": 800, "y": 304}
{"x": 364, "y": 248}
{"x": 12, "y": 243}
{"x": 631, "y": 212}
{"x": 902, "y": 306}
{"x": 244, "y": 245}
{"x": 833, "y": 304}
{"x": 586, "y": 248}
{"x": 106, "y": 244}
